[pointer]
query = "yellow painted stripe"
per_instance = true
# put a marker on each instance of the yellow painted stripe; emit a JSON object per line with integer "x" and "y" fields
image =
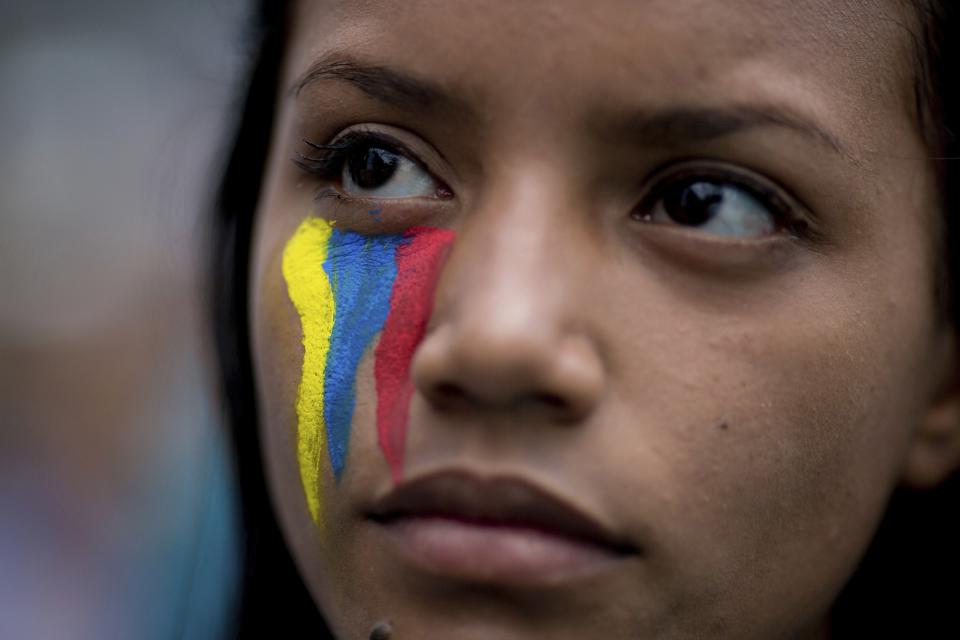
{"x": 309, "y": 289}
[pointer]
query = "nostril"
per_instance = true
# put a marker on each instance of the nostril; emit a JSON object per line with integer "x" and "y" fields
{"x": 460, "y": 369}
{"x": 551, "y": 400}
{"x": 448, "y": 394}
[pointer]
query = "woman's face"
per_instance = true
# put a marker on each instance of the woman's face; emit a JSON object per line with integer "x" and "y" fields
{"x": 592, "y": 320}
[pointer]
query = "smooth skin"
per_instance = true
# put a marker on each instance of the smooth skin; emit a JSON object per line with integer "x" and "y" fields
{"x": 738, "y": 402}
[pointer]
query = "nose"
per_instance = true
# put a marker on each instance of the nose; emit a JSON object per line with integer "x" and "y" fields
{"x": 508, "y": 329}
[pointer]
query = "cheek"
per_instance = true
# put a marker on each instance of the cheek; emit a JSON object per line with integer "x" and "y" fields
{"x": 347, "y": 289}
{"x": 278, "y": 355}
{"x": 418, "y": 268}
{"x": 785, "y": 432}
{"x": 309, "y": 289}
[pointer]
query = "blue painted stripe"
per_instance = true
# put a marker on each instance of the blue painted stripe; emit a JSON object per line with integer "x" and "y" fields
{"x": 362, "y": 270}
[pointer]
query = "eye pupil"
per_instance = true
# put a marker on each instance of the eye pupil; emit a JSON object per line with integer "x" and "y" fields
{"x": 372, "y": 167}
{"x": 693, "y": 203}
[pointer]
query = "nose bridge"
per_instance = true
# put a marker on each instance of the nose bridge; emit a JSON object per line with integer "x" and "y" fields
{"x": 509, "y": 268}
{"x": 504, "y": 330}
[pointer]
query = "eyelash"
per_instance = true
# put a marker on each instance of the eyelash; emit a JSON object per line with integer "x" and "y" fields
{"x": 785, "y": 214}
{"x": 329, "y": 164}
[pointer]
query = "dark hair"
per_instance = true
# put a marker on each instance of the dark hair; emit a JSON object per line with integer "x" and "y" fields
{"x": 897, "y": 590}
{"x": 906, "y": 586}
{"x": 272, "y": 596}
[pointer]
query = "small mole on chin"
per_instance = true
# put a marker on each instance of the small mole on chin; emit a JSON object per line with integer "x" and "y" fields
{"x": 723, "y": 426}
{"x": 382, "y": 631}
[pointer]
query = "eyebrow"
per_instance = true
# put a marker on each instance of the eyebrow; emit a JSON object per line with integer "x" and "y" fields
{"x": 670, "y": 127}
{"x": 382, "y": 83}
{"x": 684, "y": 126}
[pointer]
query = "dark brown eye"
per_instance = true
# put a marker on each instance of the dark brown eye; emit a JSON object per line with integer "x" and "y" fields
{"x": 714, "y": 206}
{"x": 375, "y": 172}
{"x": 693, "y": 204}
{"x": 371, "y": 167}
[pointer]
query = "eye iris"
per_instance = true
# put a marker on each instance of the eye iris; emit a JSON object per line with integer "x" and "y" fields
{"x": 372, "y": 167}
{"x": 693, "y": 203}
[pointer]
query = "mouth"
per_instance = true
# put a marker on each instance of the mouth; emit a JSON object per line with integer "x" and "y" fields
{"x": 499, "y": 530}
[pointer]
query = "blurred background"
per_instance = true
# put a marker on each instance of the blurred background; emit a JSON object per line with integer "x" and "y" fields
{"x": 117, "y": 514}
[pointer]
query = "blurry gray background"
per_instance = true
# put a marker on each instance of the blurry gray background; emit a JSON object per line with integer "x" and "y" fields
{"x": 117, "y": 517}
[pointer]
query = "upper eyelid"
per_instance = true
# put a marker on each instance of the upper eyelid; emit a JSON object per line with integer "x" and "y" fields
{"x": 786, "y": 206}
{"x": 335, "y": 151}
{"x": 765, "y": 193}
{"x": 755, "y": 182}
{"x": 347, "y": 142}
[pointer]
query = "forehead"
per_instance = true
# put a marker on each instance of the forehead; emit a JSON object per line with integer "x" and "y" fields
{"x": 733, "y": 24}
{"x": 846, "y": 62}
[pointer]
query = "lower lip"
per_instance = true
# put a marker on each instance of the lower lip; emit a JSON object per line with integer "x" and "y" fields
{"x": 495, "y": 553}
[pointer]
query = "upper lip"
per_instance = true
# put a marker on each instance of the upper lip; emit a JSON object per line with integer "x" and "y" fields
{"x": 497, "y": 500}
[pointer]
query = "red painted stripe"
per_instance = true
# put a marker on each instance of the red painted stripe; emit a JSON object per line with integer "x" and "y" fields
{"x": 411, "y": 304}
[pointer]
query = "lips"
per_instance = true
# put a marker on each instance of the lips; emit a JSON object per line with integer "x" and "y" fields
{"x": 499, "y": 529}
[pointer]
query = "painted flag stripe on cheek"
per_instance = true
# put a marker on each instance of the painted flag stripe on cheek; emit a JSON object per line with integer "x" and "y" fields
{"x": 362, "y": 271}
{"x": 348, "y": 288}
{"x": 418, "y": 267}
{"x": 309, "y": 290}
